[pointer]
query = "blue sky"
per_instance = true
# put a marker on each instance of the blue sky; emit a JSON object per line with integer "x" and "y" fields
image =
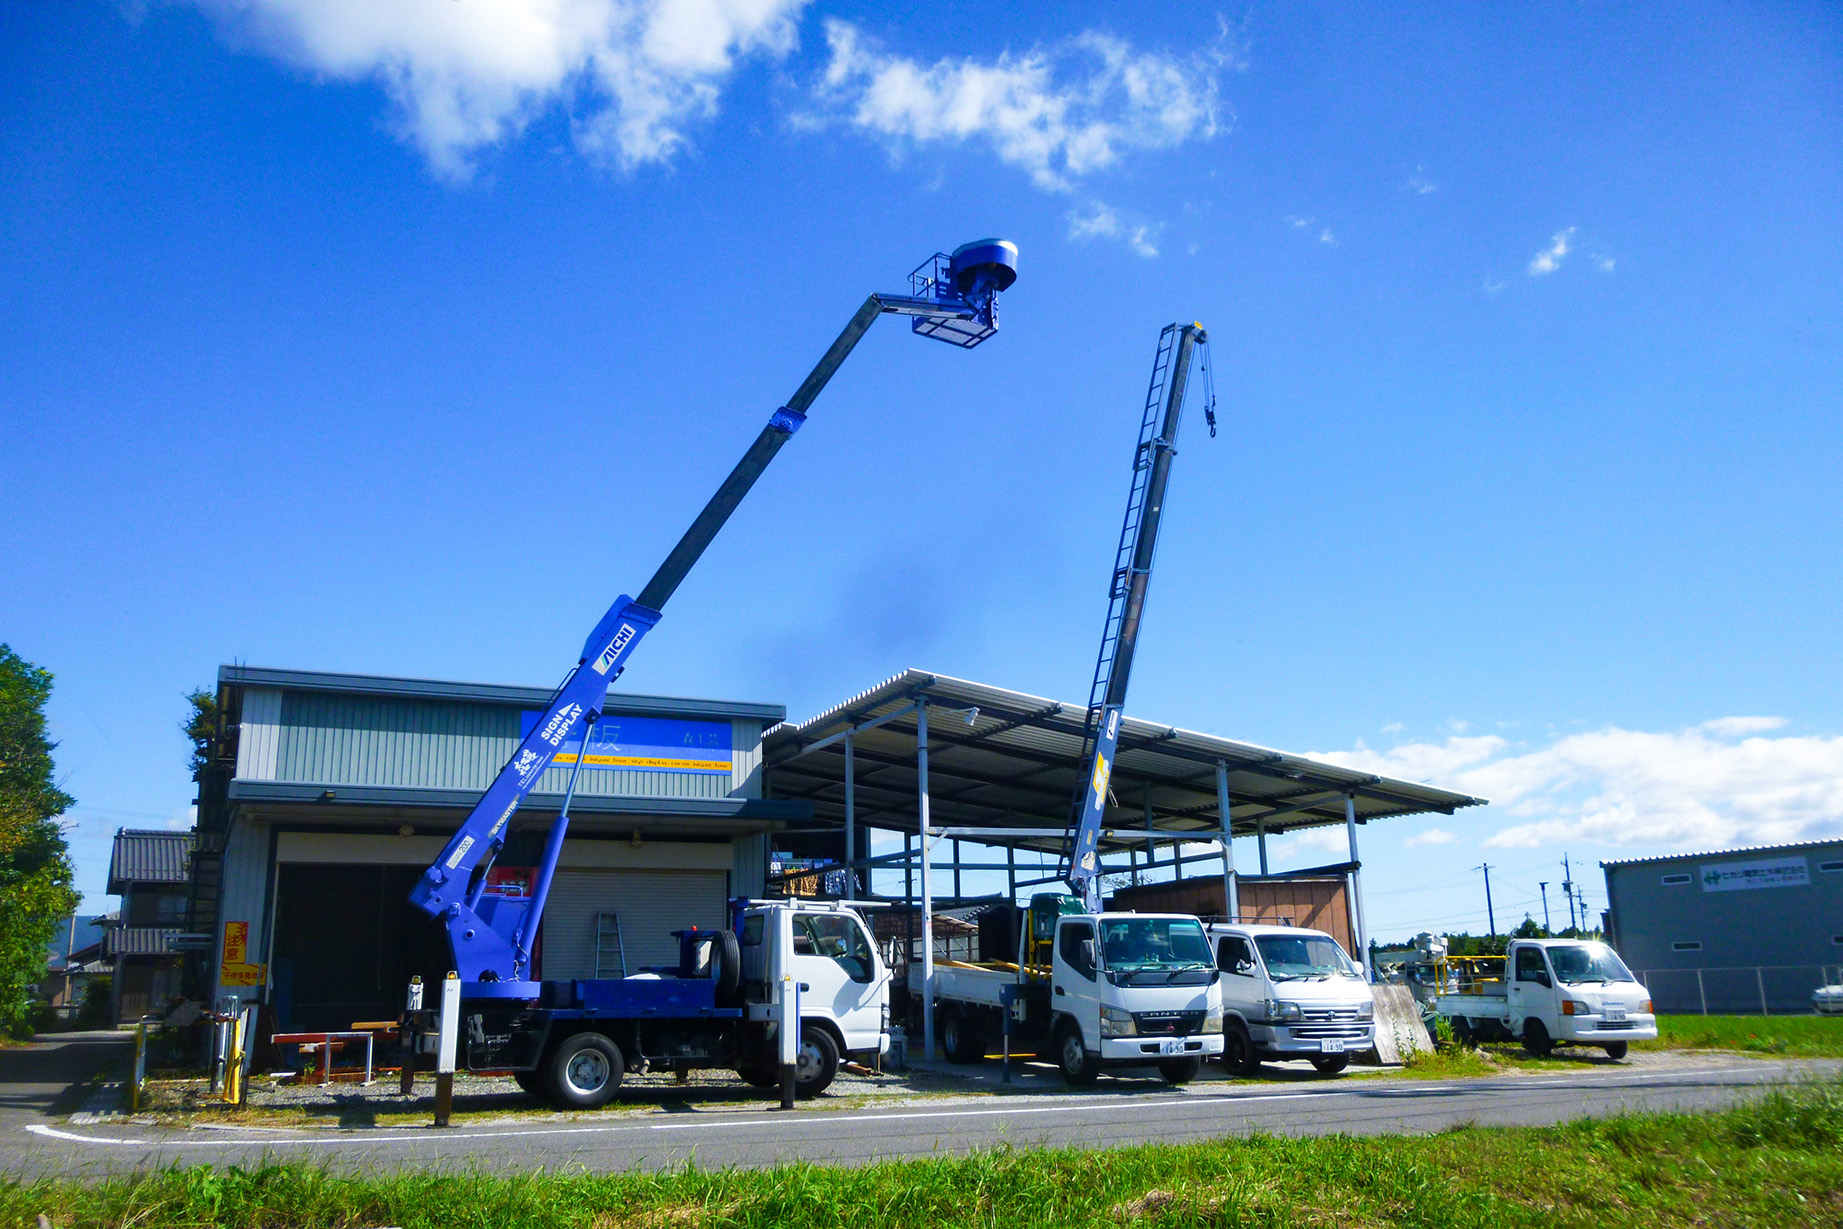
{"x": 398, "y": 338}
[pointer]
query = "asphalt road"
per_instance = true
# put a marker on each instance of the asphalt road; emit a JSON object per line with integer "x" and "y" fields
{"x": 923, "y": 1127}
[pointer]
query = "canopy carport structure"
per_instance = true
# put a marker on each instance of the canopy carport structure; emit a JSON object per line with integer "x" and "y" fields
{"x": 935, "y": 758}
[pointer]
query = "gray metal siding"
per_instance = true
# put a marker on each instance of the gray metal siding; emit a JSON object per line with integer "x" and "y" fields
{"x": 651, "y": 904}
{"x": 1792, "y": 928}
{"x": 335, "y": 739}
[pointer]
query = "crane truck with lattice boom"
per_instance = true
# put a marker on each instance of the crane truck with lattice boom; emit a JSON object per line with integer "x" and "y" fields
{"x": 1088, "y": 988}
{"x": 571, "y": 1040}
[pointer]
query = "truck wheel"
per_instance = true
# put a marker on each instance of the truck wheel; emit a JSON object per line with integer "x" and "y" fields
{"x": 815, "y": 1062}
{"x": 1238, "y": 1052}
{"x": 960, "y": 1038}
{"x": 1462, "y": 1032}
{"x": 585, "y": 1071}
{"x": 758, "y": 1077}
{"x": 1078, "y": 1066}
{"x": 1616, "y": 1049}
{"x": 1180, "y": 1070}
{"x": 1331, "y": 1064}
{"x": 1536, "y": 1039}
{"x": 726, "y": 967}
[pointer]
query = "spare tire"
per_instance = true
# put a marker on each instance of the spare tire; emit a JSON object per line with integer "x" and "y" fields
{"x": 726, "y": 967}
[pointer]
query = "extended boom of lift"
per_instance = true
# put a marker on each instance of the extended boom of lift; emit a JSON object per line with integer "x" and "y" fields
{"x": 1132, "y": 575}
{"x": 952, "y": 299}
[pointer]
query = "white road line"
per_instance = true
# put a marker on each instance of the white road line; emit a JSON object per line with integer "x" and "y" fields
{"x": 1086, "y": 1104}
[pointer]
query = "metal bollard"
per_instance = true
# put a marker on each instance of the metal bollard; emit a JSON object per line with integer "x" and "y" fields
{"x": 1006, "y": 996}
{"x": 449, "y": 1041}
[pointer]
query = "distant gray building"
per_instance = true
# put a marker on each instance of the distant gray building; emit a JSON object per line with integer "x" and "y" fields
{"x": 1733, "y": 930}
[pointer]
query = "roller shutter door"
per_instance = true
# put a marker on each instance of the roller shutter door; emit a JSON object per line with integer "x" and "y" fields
{"x": 652, "y": 905}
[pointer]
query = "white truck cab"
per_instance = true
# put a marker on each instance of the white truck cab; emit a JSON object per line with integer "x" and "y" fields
{"x": 1287, "y": 993}
{"x": 1555, "y": 992}
{"x": 1090, "y": 991}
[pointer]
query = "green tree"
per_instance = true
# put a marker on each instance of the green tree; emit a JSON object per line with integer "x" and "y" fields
{"x": 35, "y": 870}
{"x": 201, "y": 726}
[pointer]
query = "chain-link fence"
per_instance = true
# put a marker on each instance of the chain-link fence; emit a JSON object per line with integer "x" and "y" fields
{"x": 1754, "y": 990}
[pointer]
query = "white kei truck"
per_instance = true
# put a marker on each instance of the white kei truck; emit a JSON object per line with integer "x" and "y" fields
{"x": 1554, "y": 992}
{"x": 1091, "y": 991}
{"x": 1289, "y": 993}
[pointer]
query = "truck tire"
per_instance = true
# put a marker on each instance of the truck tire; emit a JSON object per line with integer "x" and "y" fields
{"x": 1616, "y": 1049}
{"x": 1330, "y": 1064}
{"x": 726, "y": 967}
{"x": 1462, "y": 1032}
{"x": 758, "y": 1077}
{"x": 1180, "y": 1070}
{"x": 1238, "y": 1052}
{"x": 584, "y": 1071}
{"x": 1536, "y": 1038}
{"x": 815, "y": 1062}
{"x": 960, "y": 1038}
{"x": 1078, "y": 1066}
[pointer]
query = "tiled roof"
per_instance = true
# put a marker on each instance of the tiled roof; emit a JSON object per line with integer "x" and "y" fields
{"x": 141, "y": 940}
{"x": 143, "y": 856}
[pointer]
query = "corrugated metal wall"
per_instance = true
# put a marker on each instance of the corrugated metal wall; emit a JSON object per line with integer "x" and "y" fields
{"x": 437, "y": 744}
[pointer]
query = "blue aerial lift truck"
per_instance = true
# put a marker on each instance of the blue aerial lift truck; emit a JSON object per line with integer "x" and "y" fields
{"x": 569, "y": 1041}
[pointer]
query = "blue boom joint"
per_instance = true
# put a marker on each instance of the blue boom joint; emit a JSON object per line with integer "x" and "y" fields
{"x": 491, "y": 937}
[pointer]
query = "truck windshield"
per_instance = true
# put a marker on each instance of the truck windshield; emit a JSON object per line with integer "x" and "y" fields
{"x": 1303, "y": 957}
{"x": 1588, "y": 962}
{"x": 1134, "y": 943}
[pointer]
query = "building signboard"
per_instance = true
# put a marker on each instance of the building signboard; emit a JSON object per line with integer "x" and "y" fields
{"x": 236, "y": 969}
{"x": 653, "y": 744}
{"x": 1738, "y": 876}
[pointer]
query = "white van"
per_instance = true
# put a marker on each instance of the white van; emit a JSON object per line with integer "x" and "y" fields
{"x": 1287, "y": 993}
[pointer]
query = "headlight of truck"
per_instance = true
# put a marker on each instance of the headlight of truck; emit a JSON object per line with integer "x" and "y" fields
{"x": 1280, "y": 1011}
{"x": 1644, "y": 1008}
{"x": 1212, "y": 1023}
{"x": 1574, "y": 1007}
{"x": 1366, "y": 1011}
{"x": 1117, "y": 1023}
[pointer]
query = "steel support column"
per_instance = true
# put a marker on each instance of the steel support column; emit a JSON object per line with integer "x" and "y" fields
{"x": 851, "y": 824}
{"x": 1260, "y": 837}
{"x": 927, "y": 884}
{"x": 1229, "y": 893}
{"x": 1359, "y": 938}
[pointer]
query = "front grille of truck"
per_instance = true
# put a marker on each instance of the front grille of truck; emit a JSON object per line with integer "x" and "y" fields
{"x": 1348, "y": 1030}
{"x": 1614, "y": 1024}
{"x": 1168, "y": 1023}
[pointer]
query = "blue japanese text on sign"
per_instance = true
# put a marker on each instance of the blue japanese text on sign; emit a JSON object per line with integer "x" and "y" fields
{"x": 655, "y": 744}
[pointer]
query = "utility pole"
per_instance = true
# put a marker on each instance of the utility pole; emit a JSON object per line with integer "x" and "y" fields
{"x": 1545, "y": 905}
{"x": 1567, "y": 889}
{"x": 1489, "y": 913}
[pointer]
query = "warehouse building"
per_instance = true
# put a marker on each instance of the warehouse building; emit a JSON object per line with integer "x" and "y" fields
{"x": 328, "y": 794}
{"x": 1746, "y": 931}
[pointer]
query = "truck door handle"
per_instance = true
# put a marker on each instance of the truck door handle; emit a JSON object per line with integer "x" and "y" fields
{"x": 805, "y": 988}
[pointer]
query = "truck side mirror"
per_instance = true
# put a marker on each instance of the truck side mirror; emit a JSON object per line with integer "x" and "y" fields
{"x": 1087, "y": 954}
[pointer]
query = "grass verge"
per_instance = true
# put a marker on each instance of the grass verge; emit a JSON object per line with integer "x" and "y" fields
{"x": 1791, "y": 1036}
{"x": 1775, "y": 1161}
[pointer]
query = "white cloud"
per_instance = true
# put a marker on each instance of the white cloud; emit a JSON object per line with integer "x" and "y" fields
{"x": 1431, "y": 836}
{"x": 1605, "y": 263}
{"x": 467, "y": 76}
{"x": 1097, "y": 220}
{"x": 1058, "y": 113}
{"x": 1714, "y": 784}
{"x": 1325, "y": 236}
{"x": 1419, "y": 184}
{"x": 1549, "y": 259}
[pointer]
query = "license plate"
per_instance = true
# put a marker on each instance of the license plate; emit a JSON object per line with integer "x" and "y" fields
{"x": 1331, "y": 1045}
{"x": 1614, "y": 1012}
{"x": 1171, "y": 1046}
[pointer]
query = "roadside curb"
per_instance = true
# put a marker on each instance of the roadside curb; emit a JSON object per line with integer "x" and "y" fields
{"x": 107, "y": 1103}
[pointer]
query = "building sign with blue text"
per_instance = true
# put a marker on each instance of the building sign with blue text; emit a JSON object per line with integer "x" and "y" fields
{"x": 651, "y": 744}
{"x": 1775, "y": 873}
